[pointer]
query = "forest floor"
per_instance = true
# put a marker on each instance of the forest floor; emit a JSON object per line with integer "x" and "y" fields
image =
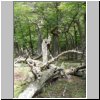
{"x": 62, "y": 88}
{"x": 75, "y": 88}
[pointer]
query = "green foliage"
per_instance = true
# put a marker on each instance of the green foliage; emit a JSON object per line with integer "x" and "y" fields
{"x": 33, "y": 21}
{"x": 34, "y": 17}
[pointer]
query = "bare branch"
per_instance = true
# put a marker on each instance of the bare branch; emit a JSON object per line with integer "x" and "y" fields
{"x": 65, "y": 52}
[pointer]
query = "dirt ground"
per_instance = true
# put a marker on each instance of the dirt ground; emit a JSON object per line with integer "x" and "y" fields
{"x": 62, "y": 88}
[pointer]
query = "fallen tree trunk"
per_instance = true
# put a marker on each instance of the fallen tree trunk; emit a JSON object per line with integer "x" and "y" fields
{"x": 38, "y": 66}
{"x": 79, "y": 71}
{"x": 19, "y": 60}
{"x": 24, "y": 60}
{"x": 51, "y": 71}
{"x": 36, "y": 86}
{"x": 75, "y": 71}
{"x": 46, "y": 76}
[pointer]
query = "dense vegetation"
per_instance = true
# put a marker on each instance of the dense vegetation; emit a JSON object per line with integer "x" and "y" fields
{"x": 65, "y": 22}
{"x": 34, "y": 21}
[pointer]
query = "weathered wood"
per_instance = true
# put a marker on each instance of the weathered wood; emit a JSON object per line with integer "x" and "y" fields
{"x": 19, "y": 60}
{"x": 77, "y": 71}
{"x": 46, "y": 75}
{"x": 35, "y": 66}
{"x": 45, "y": 51}
{"x": 36, "y": 86}
{"x": 53, "y": 59}
{"x": 38, "y": 57}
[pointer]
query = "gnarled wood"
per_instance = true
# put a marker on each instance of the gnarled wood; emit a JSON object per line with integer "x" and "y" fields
{"x": 46, "y": 75}
{"x": 36, "y": 86}
{"x": 43, "y": 76}
{"x": 45, "y": 44}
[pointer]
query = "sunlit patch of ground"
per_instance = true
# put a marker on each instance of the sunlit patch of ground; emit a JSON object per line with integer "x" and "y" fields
{"x": 21, "y": 79}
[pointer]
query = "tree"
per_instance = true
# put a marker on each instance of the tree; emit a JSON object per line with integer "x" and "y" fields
{"x": 36, "y": 20}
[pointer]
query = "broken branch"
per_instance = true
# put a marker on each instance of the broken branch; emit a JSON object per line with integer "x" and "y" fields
{"x": 65, "y": 52}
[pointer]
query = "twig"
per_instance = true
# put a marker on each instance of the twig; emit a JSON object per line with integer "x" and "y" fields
{"x": 64, "y": 91}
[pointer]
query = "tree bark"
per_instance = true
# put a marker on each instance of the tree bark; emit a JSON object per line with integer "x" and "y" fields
{"x": 45, "y": 49}
{"x": 39, "y": 39}
{"x": 36, "y": 86}
{"x": 31, "y": 44}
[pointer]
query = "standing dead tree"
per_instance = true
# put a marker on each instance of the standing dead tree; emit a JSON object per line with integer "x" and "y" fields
{"x": 45, "y": 49}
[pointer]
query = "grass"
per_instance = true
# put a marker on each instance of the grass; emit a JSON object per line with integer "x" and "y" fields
{"x": 21, "y": 79}
{"x": 67, "y": 64}
{"x": 18, "y": 88}
{"x": 74, "y": 89}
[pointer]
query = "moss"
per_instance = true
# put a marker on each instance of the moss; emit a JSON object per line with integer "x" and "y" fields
{"x": 18, "y": 89}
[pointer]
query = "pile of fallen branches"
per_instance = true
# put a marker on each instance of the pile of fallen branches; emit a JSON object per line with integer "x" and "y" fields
{"x": 45, "y": 71}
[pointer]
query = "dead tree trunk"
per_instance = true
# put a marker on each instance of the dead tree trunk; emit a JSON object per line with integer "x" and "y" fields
{"x": 36, "y": 86}
{"x": 47, "y": 74}
{"x": 45, "y": 44}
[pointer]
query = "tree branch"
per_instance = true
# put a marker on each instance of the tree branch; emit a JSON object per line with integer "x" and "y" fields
{"x": 65, "y": 52}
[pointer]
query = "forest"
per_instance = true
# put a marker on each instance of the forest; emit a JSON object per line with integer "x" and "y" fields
{"x": 50, "y": 49}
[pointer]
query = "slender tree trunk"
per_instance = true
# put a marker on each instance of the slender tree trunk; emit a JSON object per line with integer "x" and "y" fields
{"x": 30, "y": 36}
{"x": 39, "y": 40}
{"x": 23, "y": 39}
{"x": 85, "y": 28}
{"x": 22, "y": 47}
{"x": 75, "y": 34}
{"x": 85, "y": 36}
{"x": 67, "y": 46}
{"x": 47, "y": 31}
{"x": 84, "y": 41}
{"x": 56, "y": 38}
{"x": 66, "y": 31}
{"x": 71, "y": 45}
{"x": 16, "y": 48}
{"x": 80, "y": 32}
{"x": 55, "y": 45}
{"x": 30, "y": 42}
{"x": 16, "y": 45}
